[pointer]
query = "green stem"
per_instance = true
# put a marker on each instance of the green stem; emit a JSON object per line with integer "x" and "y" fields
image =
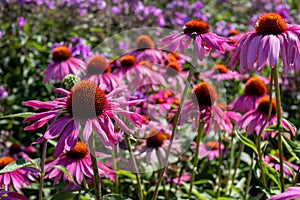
{"x": 116, "y": 168}
{"x": 84, "y": 184}
{"x": 137, "y": 175}
{"x": 278, "y": 112}
{"x": 199, "y": 135}
{"x": 296, "y": 177}
{"x": 219, "y": 166}
{"x": 174, "y": 129}
{"x": 258, "y": 141}
{"x": 230, "y": 163}
{"x": 42, "y": 170}
{"x": 237, "y": 164}
{"x": 96, "y": 177}
{"x": 249, "y": 179}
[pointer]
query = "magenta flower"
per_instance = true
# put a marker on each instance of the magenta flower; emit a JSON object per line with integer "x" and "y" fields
{"x": 145, "y": 51}
{"x": 254, "y": 89}
{"x": 203, "y": 106}
{"x": 198, "y": 31}
{"x": 78, "y": 163}
{"x": 137, "y": 74}
{"x": 273, "y": 161}
{"x": 261, "y": 47}
{"x": 290, "y": 193}
{"x": 16, "y": 151}
{"x": 221, "y": 73}
{"x": 62, "y": 64}
{"x": 154, "y": 144}
{"x": 254, "y": 119}
{"x": 210, "y": 149}
{"x": 99, "y": 72}
{"x": 173, "y": 175}
{"x": 6, "y": 195}
{"x": 85, "y": 105}
{"x": 16, "y": 179}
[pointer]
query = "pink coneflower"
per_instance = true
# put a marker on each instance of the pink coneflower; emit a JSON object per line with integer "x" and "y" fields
{"x": 199, "y": 31}
{"x": 262, "y": 46}
{"x": 273, "y": 161}
{"x": 203, "y": 106}
{"x": 152, "y": 149}
{"x": 254, "y": 119}
{"x": 290, "y": 193}
{"x": 7, "y": 195}
{"x": 99, "y": 72}
{"x": 163, "y": 100}
{"x": 137, "y": 74}
{"x": 85, "y": 105}
{"x": 209, "y": 149}
{"x": 220, "y": 73}
{"x": 254, "y": 89}
{"x": 173, "y": 175}
{"x": 16, "y": 179}
{"x": 16, "y": 150}
{"x": 78, "y": 163}
{"x": 62, "y": 64}
{"x": 145, "y": 51}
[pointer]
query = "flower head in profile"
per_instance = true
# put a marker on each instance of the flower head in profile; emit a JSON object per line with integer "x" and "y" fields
{"x": 261, "y": 47}
{"x": 254, "y": 119}
{"x": 154, "y": 143}
{"x": 86, "y": 106}
{"x": 273, "y": 161}
{"x": 99, "y": 71}
{"x": 62, "y": 64}
{"x": 209, "y": 149}
{"x": 16, "y": 179}
{"x": 78, "y": 163}
{"x": 254, "y": 89}
{"x": 221, "y": 73}
{"x": 146, "y": 51}
{"x": 137, "y": 73}
{"x": 198, "y": 31}
{"x": 204, "y": 107}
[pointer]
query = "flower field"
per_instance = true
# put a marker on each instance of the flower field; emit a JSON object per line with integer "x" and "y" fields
{"x": 138, "y": 99}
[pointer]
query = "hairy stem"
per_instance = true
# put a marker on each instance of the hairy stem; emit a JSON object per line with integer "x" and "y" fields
{"x": 96, "y": 177}
{"x": 278, "y": 112}
{"x": 199, "y": 135}
{"x": 137, "y": 175}
{"x": 42, "y": 170}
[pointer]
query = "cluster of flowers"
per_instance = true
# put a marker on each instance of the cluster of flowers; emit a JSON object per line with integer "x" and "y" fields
{"x": 101, "y": 102}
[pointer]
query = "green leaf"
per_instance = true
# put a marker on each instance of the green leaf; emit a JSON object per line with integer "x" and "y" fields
{"x": 247, "y": 142}
{"x": 65, "y": 171}
{"x": 291, "y": 147}
{"x": 25, "y": 114}
{"x": 114, "y": 197}
{"x": 278, "y": 129}
{"x": 272, "y": 174}
{"x": 126, "y": 173}
{"x": 17, "y": 165}
{"x": 194, "y": 191}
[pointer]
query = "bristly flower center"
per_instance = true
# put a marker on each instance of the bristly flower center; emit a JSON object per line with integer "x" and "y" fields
{"x": 5, "y": 161}
{"x": 263, "y": 105}
{"x": 79, "y": 152}
{"x": 61, "y": 53}
{"x": 144, "y": 42}
{"x": 174, "y": 65}
{"x": 196, "y": 25}
{"x": 222, "y": 69}
{"x": 128, "y": 61}
{"x": 155, "y": 138}
{"x": 212, "y": 145}
{"x": 86, "y": 100}
{"x": 15, "y": 148}
{"x": 255, "y": 87}
{"x": 205, "y": 94}
{"x": 98, "y": 65}
{"x": 270, "y": 24}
